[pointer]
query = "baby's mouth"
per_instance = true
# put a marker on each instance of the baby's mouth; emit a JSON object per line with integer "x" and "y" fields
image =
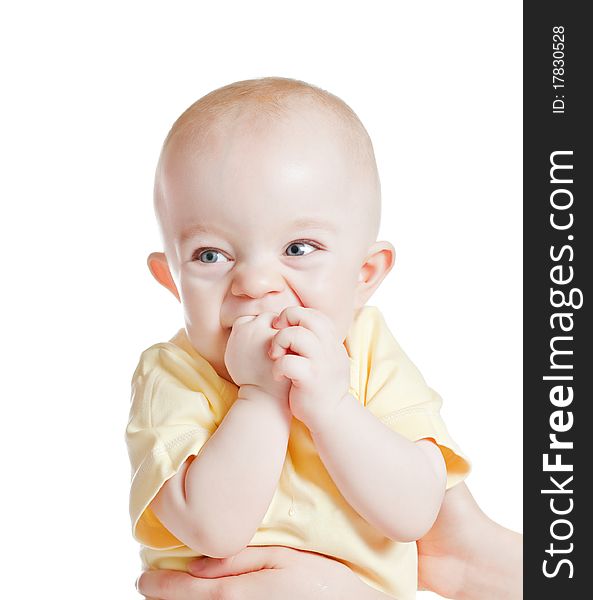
{"x": 256, "y": 312}
{"x": 230, "y": 326}
{"x": 251, "y": 314}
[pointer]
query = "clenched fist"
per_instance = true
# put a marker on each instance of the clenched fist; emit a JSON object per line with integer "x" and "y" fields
{"x": 307, "y": 350}
{"x": 246, "y": 356}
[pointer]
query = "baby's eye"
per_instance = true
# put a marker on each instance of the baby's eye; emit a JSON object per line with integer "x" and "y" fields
{"x": 208, "y": 256}
{"x": 294, "y": 248}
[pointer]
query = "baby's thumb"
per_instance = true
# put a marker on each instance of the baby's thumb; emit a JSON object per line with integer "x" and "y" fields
{"x": 252, "y": 558}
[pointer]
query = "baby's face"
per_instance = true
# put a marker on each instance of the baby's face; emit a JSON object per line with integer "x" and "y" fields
{"x": 259, "y": 220}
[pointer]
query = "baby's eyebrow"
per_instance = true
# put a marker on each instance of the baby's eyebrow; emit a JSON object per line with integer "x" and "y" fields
{"x": 194, "y": 230}
{"x": 302, "y": 223}
{"x": 314, "y": 223}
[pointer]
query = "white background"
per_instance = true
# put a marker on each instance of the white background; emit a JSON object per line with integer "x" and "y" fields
{"x": 90, "y": 91}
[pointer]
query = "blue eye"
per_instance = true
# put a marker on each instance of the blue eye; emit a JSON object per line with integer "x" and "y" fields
{"x": 294, "y": 247}
{"x": 208, "y": 256}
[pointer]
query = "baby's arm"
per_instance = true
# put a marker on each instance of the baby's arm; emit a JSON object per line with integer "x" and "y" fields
{"x": 216, "y": 502}
{"x": 396, "y": 485}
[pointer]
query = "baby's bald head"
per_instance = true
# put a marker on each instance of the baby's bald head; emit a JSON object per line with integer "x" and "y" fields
{"x": 267, "y": 196}
{"x": 260, "y": 107}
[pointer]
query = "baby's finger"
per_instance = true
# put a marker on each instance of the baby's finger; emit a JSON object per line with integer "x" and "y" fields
{"x": 312, "y": 319}
{"x": 294, "y": 367}
{"x": 296, "y": 339}
{"x": 241, "y": 320}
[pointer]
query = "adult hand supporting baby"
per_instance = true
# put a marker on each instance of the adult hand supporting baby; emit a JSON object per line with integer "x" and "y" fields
{"x": 465, "y": 556}
{"x": 468, "y": 556}
{"x": 259, "y": 572}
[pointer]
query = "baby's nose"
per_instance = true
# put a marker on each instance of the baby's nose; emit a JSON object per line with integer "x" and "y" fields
{"x": 256, "y": 281}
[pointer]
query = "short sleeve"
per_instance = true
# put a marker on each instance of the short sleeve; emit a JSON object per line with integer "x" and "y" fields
{"x": 393, "y": 389}
{"x": 170, "y": 420}
{"x": 422, "y": 421}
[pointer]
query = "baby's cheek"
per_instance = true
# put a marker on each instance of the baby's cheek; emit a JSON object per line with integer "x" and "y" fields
{"x": 342, "y": 312}
{"x": 316, "y": 290}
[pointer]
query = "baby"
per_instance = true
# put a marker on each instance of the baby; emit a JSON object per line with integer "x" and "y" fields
{"x": 284, "y": 413}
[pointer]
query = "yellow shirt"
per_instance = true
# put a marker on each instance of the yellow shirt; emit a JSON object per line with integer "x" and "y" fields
{"x": 178, "y": 401}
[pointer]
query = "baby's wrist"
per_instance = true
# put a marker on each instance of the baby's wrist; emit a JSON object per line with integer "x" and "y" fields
{"x": 322, "y": 420}
{"x": 255, "y": 393}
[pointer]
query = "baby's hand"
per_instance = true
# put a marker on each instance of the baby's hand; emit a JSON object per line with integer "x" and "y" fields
{"x": 246, "y": 355}
{"x": 319, "y": 368}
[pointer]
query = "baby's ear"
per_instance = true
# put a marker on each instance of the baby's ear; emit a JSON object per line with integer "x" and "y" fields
{"x": 159, "y": 267}
{"x": 378, "y": 262}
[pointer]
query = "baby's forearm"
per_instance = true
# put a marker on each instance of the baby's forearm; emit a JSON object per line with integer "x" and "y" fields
{"x": 229, "y": 486}
{"x": 395, "y": 484}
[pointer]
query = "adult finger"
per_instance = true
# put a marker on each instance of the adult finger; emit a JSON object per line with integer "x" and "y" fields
{"x": 175, "y": 585}
{"x": 251, "y": 558}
